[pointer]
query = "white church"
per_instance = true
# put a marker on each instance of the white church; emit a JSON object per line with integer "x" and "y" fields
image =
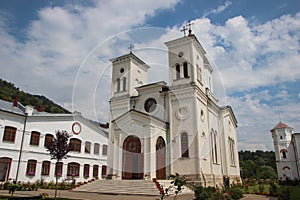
{"x": 287, "y": 152}
{"x": 157, "y": 129}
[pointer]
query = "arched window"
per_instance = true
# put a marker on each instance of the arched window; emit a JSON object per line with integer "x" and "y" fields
{"x": 283, "y": 153}
{"x": 48, "y": 138}
{"x": 177, "y": 71}
{"x": 214, "y": 147}
{"x": 96, "y": 148}
{"x": 87, "y": 148}
{"x": 103, "y": 171}
{"x": 185, "y": 70}
{"x": 95, "y": 171}
{"x": 184, "y": 145}
{"x": 104, "y": 149}
{"x": 9, "y": 134}
{"x": 124, "y": 83}
{"x": 86, "y": 170}
{"x": 118, "y": 85}
{"x": 75, "y": 144}
{"x": 58, "y": 168}
{"x": 31, "y": 167}
{"x": 231, "y": 144}
{"x": 46, "y": 168}
{"x": 73, "y": 169}
{"x": 35, "y": 138}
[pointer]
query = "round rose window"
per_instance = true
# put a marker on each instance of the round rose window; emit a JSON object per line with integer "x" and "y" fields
{"x": 150, "y": 105}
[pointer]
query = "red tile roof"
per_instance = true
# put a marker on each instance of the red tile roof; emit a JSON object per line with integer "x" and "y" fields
{"x": 280, "y": 125}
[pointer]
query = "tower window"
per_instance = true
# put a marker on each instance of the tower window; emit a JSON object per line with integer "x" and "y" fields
{"x": 177, "y": 71}
{"x": 124, "y": 83}
{"x": 185, "y": 70}
{"x": 118, "y": 85}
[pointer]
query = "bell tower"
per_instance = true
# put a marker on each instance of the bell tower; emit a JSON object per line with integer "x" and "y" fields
{"x": 187, "y": 61}
{"x": 128, "y": 72}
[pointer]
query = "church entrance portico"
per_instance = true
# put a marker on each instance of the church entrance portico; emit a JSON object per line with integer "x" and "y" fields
{"x": 132, "y": 159}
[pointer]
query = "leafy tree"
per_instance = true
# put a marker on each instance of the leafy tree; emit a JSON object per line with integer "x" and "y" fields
{"x": 59, "y": 148}
{"x": 258, "y": 164}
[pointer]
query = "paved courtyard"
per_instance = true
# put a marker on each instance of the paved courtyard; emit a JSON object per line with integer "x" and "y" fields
{"x": 95, "y": 196}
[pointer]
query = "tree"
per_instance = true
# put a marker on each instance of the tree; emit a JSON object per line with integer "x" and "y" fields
{"x": 59, "y": 148}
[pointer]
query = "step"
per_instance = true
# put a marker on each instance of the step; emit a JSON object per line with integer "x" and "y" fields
{"x": 133, "y": 187}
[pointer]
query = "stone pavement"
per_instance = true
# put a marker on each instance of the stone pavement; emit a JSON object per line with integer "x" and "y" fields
{"x": 96, "y": 196}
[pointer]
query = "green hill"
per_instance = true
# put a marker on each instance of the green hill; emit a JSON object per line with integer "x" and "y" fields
{"x": 9, "y": 91}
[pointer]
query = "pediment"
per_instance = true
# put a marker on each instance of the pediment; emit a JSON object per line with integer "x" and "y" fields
{"x": 138, "y": 123}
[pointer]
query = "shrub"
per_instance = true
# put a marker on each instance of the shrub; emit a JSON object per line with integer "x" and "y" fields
{"x": 234, "y": 193}
{"x": 273, "y": 190}
{"x": 13, "y": 187}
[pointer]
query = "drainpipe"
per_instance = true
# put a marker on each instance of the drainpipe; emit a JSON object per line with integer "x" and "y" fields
{"x": 295, "y": 154}
{"x": 21, "y": 148}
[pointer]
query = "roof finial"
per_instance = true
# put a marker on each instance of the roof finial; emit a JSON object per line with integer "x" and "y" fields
{"x": 184, "y": 28}
{"x": 131, "y": 46}
{"x": 189, "y": 24}
{"x": 279, "y": 118}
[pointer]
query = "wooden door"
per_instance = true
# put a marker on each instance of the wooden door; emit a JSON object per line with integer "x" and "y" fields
{"x": 160, "y": 158}
{"x": 133, "y": 159}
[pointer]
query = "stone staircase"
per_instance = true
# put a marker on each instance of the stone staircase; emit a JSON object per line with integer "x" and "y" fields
{"x": 129, "y": 187}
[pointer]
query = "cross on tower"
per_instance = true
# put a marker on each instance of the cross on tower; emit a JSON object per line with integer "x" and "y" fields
{"x": 184, "y": 28}
{"x": 189, "y": 24}
{"x": 131, "y": 46}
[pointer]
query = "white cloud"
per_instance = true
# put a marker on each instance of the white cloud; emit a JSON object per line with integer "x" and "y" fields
{"x": 245, "y": 56}
{"x": 219, "y": 9}
{"x": 61, "y": 38}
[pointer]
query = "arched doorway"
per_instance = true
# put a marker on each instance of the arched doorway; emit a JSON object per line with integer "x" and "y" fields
{"x": 160, "y": 158}
{"x": 4, "y": 168}
{"x": 133, "y": 160}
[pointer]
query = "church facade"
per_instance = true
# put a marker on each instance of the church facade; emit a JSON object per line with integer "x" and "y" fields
{"x": 157, "y": 129}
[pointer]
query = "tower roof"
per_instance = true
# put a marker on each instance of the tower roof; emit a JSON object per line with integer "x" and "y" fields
{"x": 128, "y": 57}
{"x": 281, "y": 125}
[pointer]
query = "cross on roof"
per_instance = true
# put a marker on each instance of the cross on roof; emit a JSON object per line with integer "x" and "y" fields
{"x": 184, "y": 28}
{"x": 189, "y": 24}
{"x": 131, "y": 46}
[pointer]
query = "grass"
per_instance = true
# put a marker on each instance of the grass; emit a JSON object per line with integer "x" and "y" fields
{"x": 295, "y": 191}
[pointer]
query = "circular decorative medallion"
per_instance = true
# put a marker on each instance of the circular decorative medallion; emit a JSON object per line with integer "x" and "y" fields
{"x": 150, "y": 105}
{"x": 183, "y": 112}
{"x": 76, "y": 128}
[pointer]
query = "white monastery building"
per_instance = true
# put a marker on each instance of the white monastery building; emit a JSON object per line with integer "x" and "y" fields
{"x": 24, "y": 133}
{"x": 287, "y": 152}
{"x": 157, "y": 129}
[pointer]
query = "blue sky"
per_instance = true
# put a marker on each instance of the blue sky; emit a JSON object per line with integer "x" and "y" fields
{"x": 61, "y": 49}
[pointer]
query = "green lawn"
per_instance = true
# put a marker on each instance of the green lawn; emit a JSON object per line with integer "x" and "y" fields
{"x": 257, "y": 189}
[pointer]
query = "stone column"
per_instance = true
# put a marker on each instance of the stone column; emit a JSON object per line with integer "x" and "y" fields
{"x": 117, "y": 157}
